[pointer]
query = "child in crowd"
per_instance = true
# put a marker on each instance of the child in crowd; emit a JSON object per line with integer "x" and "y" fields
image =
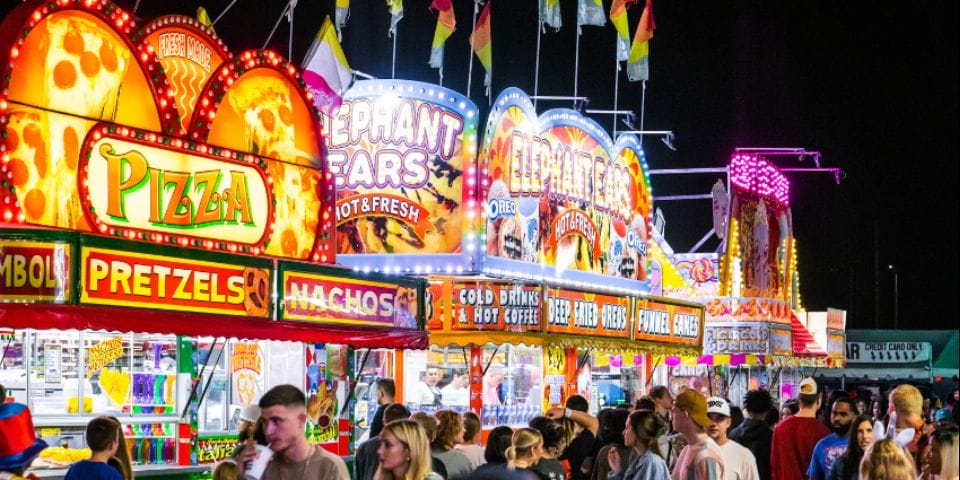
{"x": 103, "y": 438}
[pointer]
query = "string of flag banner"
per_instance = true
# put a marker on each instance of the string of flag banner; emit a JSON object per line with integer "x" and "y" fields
{"x": 328, "y": 74}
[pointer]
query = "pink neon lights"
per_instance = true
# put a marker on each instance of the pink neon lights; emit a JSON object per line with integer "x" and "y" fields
{"x": 756, "y": 174}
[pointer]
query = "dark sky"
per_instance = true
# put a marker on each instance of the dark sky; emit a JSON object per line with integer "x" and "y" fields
{"x": 871, "y": 85}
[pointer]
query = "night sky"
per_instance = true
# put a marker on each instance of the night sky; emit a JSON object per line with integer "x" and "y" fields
{"x": 873, "y": 86}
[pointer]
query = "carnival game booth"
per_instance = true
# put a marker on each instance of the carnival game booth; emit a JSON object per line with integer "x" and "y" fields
{"x": 155, "y": 183}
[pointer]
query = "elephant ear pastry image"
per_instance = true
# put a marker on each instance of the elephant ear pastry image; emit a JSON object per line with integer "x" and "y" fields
{"x": 256, "y": 287}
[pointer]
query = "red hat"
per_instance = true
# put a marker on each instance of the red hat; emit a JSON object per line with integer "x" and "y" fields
{"x": 19, "y": 444}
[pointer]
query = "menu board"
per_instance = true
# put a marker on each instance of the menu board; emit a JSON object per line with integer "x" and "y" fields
{"x": 34, "y": 272}
{"x": 669, "y": 323}
{"x": 496, "y": 306}
{"x": 575, "y": 312}
{"x": 336, "y": 299}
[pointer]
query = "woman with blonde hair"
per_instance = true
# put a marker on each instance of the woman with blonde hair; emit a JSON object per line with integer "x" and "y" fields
{"x": 525, "y": 451}
{"x": 449, "y": 434}
{"x": 944, "y": 459}
{"x": 226, "y": 470}
{"x": 886, "y": 460}
{"x": 404, "y": 453}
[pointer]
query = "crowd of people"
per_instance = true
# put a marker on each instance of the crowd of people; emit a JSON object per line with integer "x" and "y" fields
{"x": 900, "y": 436}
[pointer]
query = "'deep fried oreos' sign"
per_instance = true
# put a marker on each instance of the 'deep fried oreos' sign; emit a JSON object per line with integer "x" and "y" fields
{"x": 403, "y": 157}
{"x": 561, "y": 198}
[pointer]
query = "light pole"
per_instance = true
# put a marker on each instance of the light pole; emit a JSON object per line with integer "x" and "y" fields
{"x": 896, "y": 297}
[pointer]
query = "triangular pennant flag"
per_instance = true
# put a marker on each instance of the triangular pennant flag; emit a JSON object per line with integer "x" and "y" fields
{"x": 326, "y": 71}
{"x": 483, "y": 43}
{"x": 446, "y": 24}
{"x": 204, "y": 18}
{"x": 637, "y": 64}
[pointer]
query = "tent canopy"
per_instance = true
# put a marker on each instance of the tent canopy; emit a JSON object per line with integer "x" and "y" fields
{"x": 947, "y": 363}
{"x": 72, "y": 317}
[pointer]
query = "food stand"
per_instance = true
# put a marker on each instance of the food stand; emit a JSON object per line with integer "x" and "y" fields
{"x": 159, "y": 195}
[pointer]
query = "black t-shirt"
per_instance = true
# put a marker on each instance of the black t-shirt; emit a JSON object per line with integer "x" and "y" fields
{"x": 550, "y": 469}
{"x": 579, "y": 449}
{"x": 376, "y": 426}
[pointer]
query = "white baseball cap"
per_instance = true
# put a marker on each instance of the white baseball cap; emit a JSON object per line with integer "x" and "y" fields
{"x": 718, "y": 405}
{"x": 250, "y": 413}
{"x": 808, "y": 386}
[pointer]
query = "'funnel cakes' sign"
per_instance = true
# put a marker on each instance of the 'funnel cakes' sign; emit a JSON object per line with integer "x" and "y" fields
{"x": 157, "y": 133}
{"x": 559, "y": 192}
{"x": 402, "y": 155}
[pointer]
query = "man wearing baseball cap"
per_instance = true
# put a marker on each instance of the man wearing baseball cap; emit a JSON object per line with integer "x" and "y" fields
{"x": 794, "y": 438}
{"x": 701, "y": 459}
{"x": 738, "y": 462}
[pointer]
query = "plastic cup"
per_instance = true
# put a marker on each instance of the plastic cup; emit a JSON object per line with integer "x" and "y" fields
{"x": 255, "y": 467}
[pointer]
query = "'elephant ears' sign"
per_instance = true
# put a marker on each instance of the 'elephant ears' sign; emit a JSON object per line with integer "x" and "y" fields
{"x": 561, "y": 196}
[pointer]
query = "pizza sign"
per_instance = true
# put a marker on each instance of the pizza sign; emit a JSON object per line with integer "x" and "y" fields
{"x": 135, "y": 185}
{"x": 559, "y": 192}
{"x": 157, "y": 133}
{"x": 402, "y": 156}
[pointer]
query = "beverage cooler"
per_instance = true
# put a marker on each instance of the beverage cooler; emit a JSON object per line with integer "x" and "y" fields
{"x": 371, "y": 366}
{"x": 70, "y": 377}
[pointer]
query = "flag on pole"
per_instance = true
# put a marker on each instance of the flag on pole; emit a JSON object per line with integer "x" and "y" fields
{"x": 204, "y": 18}
{"x": 446, "y": 24}
{"x": 325, "y": 69}
{"x": 590, "y": 12}
{"x": 618, "y": 16}
{"x": 550, "y": 13}
{"x": 343, "y": 13}
{"x": 637, "y": 64}
{"x": 482, "y": 42}
{"x": 396, "y": 13}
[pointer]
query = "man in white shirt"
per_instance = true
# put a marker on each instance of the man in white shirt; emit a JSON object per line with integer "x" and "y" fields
{"x": 427, "y": 393}
{"x": 457, "y": 393}
{"x": 739, "y": 463}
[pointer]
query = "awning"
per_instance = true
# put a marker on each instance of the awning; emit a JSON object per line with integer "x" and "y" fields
{"x": 803, "y": 343}
{"x": 72, "y": 317}
{"x": 947, "y": 363}
{"x": 853, "y": 374}
{"x": 480, "y": 338}
{"x": 465, "y": 338}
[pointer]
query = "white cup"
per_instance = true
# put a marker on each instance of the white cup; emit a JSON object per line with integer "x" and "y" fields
{"x": 256, "y": 466}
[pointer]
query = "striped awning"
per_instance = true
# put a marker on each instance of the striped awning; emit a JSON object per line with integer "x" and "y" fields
{"x": 803, "y": 343}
